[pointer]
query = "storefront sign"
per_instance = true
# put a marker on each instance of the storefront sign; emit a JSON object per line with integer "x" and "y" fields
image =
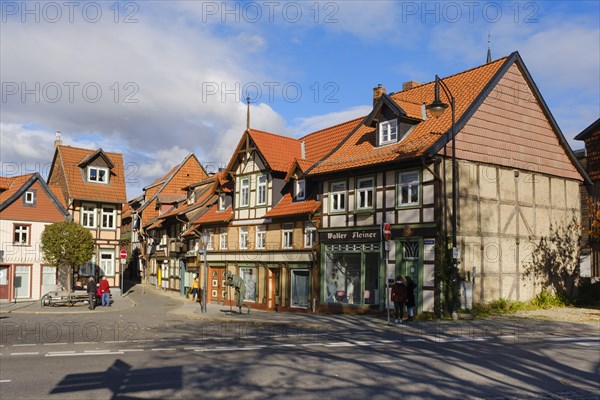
{"x": 356, "y": 235}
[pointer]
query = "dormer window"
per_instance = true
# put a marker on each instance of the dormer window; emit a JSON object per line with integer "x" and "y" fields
{"x": 192, "y": 198}
{"x": 97, "y": 174}
{"x": 300, "y": 189}
{"x": 388, "y": 132}
{"x": 221, "y": 201}
{"x": 29, "y": 198}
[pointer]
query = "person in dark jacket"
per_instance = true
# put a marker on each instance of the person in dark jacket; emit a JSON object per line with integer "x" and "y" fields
{"x": 410, "y": 297}
{"x": 91, "y": 289}
{"x": 399, "y": 297}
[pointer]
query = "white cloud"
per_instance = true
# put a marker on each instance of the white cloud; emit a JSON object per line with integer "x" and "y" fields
{"x": 304, "y": 126}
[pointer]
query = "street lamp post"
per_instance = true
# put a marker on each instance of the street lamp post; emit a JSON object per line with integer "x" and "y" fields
{"x": 205, "y": 238}
{"x": 437, "y": 108}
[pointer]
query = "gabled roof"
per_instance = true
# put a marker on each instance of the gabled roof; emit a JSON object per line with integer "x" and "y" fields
{"x": 19, "y": 184}
{"x": 98, "y": 153}
{"x": 288, "y": 207}
{"x": 276, "y": 150}
{"x": 594, "y": 127}
{"x": 77, "y": 186}
{"x": 164, "y": 180}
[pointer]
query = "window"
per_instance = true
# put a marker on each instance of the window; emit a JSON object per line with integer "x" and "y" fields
{"x": 211, "y": 235}
{"x": 97, "y": 174}
{"x": 249, "y": 277}
{"x": 222, "y": 201}
{"x": 223, "y": 239}
{"x": 89, "y": 268}
{"x": 300, "y": 290}
{"x": 261, "y": 237}
{"x": 408, "y": 188}
{"x": 243, "y": 237}
{"x": 107, "y": 262}
{"x": 244, "y": 192}
{"x": 29, "y": 198}
{"x": 261, "y": 195}
{"x": 388, "y": 132}
{"x": 364, "y": 193}
{"x": 300, "y": 189}
{"x": 22, "y": 281}
{"x": 287, "y": 236}
{"x": 337, "y": 196}
{"x": 48, "y": 275}
{"x": 192, "y": 197}
{"x": 108, "y": 217}
{"x": 21, "y": 235}
{"x": 310, "y": 234}
{"x": 88, "y": 216}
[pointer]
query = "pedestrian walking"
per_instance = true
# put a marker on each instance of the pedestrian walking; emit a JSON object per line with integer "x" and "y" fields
{"x": 105, "y": 290}
{"x": 399, "y": 297}
{"x": 410, "y": 298}
{"x": 91, "y": 290}
{"x": 196, "y": 288}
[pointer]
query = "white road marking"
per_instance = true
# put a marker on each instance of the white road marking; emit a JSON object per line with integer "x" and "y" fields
{"x": 116, "y": 341}
{"x": 587, "y": 344}
{"x": 24, "y": 345}
{"x": 55, "y": 344}
{"x": 220, "y": 349}
{"x": 4, "y": 380}
{"x": 164, "y": 349}
{"x": 82, "y": 354}
{"x": 32, "y": 353}
{"x": 311, "y": 344}
{"x": 286, "y": 345}
{"x": 130, "y": 350}
{"x": 340, "y": 344}
{"x": 96, "y": 351}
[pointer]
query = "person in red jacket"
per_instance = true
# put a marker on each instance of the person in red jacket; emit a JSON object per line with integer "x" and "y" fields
{"x": 105, "y": 290}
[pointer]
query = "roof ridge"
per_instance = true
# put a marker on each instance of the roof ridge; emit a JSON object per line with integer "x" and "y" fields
{"x": 91, "y": 151}
{"x": 332, "y": 126}
{"x": 272, "y": 134}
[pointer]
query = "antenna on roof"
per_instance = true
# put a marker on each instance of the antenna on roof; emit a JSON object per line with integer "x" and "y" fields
{"x": 248, "y": 113}
{"x": 489, "y": 52}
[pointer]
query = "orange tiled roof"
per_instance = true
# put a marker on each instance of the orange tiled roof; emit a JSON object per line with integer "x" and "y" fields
{"x": 359, "y": 149}
{"x": 58, "y": 193}
{"x": 5, "y": 182}
{"x": 156, "y": 224}
{"x": 79, "y": 189}
{"x": 12, "y": 185}
{"x": 126, "y": 211}
{"x": 213, "y": 215}
{"x": 287, "y": 207}
{"x": 278, "y": 151}
{"x": 320, "y": 143}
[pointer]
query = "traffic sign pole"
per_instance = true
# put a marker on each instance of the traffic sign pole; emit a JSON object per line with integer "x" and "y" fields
{"x": 123, "y": 260}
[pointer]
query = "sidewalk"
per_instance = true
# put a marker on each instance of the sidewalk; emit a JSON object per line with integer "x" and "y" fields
{"x": 120, "y": 303}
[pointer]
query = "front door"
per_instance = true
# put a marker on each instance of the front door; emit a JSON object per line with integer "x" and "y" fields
{"x": 4, "y": 282}
{"x": 273, "y": 295}
{"x": 411, "y": 264}
{"x": 216, "y": 285}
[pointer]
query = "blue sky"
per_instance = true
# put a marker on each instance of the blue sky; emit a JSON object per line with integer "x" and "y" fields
{"x": 157, "y": 80}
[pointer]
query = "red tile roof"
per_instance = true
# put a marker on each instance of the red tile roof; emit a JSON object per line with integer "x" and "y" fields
{"x": 12, "y": 185}
{"x": 287, "y": 207}
{"x": 278, "y": 151}
{"x": 213, "y": 215}
{"x": 359, "y": 149}
{"x": 78, "y": 188}
{"x": 320, "y": 143}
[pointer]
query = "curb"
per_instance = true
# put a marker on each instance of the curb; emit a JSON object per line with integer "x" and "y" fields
{"x": 102, "y": 310}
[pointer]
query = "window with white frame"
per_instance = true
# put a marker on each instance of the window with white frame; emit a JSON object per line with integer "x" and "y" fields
{"x": 300, "y": 189}
{"x": 107, "y": 262}
{"x": 287, "y": 236}
{"x": 408, "y": 188}
{"x": 222, "y": 201}
{"x": 261, "y": 236}
{"x": 89, "y": 268}
{"x": 337, "y": 196}
{"x": 261, "y": 190}
{"x": 388, "y": 132}
{"x": 364, "y": 193}
{"x": 223, "y": 239}
{"x": 88, "y": 216}
{"x": 108, "y": 216}
{"x": 97, "y": 174}
{"x": 243, "y": 237}
{"x": 48, "y": 275}
{"x": 21, "y": 234}
{"x": 29, "y": 197}
{"x": 244, "y": 192}
{"x": 310, "y": 234}
{"x": 211, "y": 236}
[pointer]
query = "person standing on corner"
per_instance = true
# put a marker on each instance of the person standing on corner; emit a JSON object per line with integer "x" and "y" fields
{"x": 399, "y": 297}
{"x": 91, "y": 290}
{"x": 105, "y": 290}
{"x": 410, "y": 298}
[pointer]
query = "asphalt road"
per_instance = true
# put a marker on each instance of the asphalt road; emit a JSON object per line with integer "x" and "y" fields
{"x": 145, "y": 352}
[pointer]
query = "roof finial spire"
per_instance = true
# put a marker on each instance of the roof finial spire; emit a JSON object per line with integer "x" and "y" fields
{"x": 489, "y": 52}
{"x": 248, "y": 113}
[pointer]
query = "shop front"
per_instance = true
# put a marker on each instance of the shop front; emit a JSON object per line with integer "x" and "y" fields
{"x": 352, "y": 272}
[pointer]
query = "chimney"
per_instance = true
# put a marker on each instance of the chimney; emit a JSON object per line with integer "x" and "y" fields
{"x": 378, "y": 92}
{"x": 410, "y": 85}
{"x": 57, "y": 141}
{"x": 303, "y": 150}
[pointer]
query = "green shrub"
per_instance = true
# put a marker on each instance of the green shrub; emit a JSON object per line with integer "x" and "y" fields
{"x": 547, "y": 300}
